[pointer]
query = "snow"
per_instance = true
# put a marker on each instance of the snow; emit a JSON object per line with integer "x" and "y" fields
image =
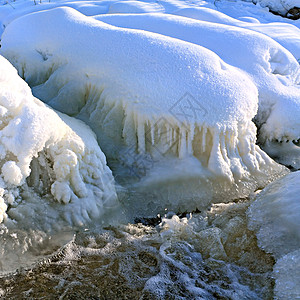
{"x": 43, "y": 153}
{"x": 133, "y": 7}
{"x": 176, "y": 93}
{"x": 130, "y": 87}
{"x": 280, "y": 6}
{"x": 272, "y": 67}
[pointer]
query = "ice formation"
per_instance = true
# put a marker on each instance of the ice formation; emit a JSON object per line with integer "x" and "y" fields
{"x": 273, "y": 69}
{"x": 275, "y": 217}
{"x": 49, "y": 155}
{"x": 287, "y": 276}
{"x": 132, "y": 86}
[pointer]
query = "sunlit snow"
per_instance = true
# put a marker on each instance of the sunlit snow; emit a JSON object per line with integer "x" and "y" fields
{"x": 145, "y": 148}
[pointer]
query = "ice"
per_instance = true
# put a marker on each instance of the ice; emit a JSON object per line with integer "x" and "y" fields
{"x": 167, "y": 261}
{"x": 176, "y": 102}
{"x": 49, "y": 155}
{"x": 275, "y": 216}
{"x": 287, "y": 276}
{"x": 145, "y": 92}
{"x": 273, "y": 69}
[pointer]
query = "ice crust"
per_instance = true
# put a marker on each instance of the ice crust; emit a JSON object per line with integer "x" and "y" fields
{"x": 129, "y": 86}
{"x": 49, "y": 155}
{"x": 287, "y": 276}
{"x": 275, "y": 215}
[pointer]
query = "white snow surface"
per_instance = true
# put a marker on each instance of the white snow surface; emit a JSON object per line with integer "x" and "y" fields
{"x": 49, "y": 155}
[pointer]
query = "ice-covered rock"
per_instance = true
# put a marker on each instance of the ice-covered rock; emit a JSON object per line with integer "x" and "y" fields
{"x": 45, "y": 158}
{"x": 149, "y": 93}
{"x": 275, "y": 216}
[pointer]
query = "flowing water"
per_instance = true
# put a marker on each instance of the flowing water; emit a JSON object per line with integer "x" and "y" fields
{"x": 204, "y": 255}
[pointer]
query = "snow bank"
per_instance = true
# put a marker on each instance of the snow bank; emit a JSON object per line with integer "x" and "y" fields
{"x": 285, "y": 34}
{"x": 48, "y": 155}
{"x": 272, "y": 68}
{"x": 132, "y": 87}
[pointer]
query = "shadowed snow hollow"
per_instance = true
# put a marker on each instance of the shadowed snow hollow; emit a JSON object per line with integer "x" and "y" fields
{"x": 147, "y": 95}
{"x": 46, "y": 158}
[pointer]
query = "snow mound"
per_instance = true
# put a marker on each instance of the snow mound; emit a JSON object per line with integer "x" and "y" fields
{"x": 275, "y": 216}
{"x": 43, "y": 154}
{"x": 140, "y": 91}
{"x": 273, "y": 69}
{"x": 285, "y": 34}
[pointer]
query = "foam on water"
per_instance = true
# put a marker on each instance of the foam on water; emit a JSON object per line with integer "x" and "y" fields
{"x": 204, "y": 256}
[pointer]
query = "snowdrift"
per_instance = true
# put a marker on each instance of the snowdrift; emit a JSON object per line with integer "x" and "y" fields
{"x": 47, "y": 158}
{"x": 146, "y": 94}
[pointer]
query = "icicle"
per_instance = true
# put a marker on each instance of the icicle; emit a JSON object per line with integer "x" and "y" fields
{"x": 216, "y": 161}
{"x": 182, "y": 143}
{"x": 204, "y": 133}
{"x": 141, "y": 134}
{"x": 152, "y": 132}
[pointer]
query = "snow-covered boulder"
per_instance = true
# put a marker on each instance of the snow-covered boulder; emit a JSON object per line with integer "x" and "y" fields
{"x": 273, "y": 69}
{"x": 153, "y": 94}
{"x": 45, "y": 158}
